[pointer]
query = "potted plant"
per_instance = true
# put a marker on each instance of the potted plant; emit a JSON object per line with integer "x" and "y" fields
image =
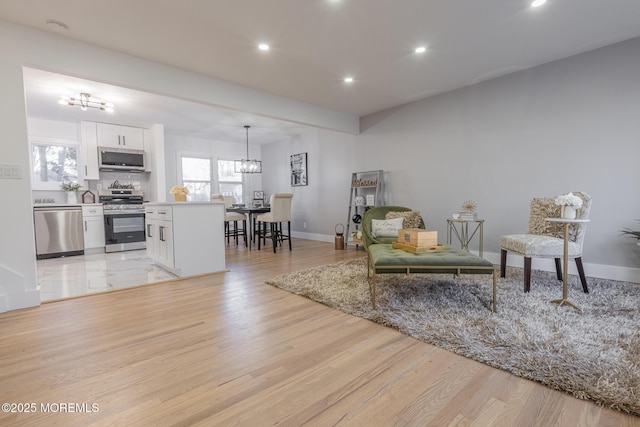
{"x": 71, "y": 188}
{"x": 635, "y": 234}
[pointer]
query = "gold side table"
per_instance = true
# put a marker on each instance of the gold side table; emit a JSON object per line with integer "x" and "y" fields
{"x": 566, "y": 223}
{"x": 460, "y": 229}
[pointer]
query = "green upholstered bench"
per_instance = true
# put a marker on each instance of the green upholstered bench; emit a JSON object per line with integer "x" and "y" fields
{"x": 382, "y": 258}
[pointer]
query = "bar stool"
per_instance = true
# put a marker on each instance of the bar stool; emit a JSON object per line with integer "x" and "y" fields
{"x": 232, "y": 217}
{"x": 280, "y": 212}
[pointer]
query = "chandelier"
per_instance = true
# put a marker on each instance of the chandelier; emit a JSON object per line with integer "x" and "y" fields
{"x": 246, "y": 165}
{"x": 84, "y": 101}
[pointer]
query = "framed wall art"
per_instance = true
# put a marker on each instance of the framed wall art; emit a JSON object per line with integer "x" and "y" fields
{"x": 299, "y": 170}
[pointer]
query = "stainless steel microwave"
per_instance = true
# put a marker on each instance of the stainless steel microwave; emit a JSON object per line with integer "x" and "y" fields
{"x": 120, "y": 159}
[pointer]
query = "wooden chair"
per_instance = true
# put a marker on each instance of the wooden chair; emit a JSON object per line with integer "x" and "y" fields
{"x": 280, "y": 212}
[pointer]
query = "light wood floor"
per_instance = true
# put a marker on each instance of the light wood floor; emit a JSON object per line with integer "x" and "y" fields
{"x": 226, "y": 349}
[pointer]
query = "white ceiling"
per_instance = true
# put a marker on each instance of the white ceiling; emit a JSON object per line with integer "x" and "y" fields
{"x": 315, "y": 43}
{"x": 135, "y": 108}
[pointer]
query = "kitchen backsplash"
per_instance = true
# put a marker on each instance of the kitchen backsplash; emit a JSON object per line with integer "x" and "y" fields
{"x": 137, "y": 180}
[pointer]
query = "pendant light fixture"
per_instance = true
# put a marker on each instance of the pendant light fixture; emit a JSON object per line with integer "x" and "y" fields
{"x": 246, "y": 165}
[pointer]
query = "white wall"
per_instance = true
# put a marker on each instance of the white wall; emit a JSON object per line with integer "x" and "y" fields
{"x": 322, "y": 203}
{"x": 25, "y": 47}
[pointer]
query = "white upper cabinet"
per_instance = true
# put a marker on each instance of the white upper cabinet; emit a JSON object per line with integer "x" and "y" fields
{"x": 120, "y": 136}
{"x": 94, "y": 135}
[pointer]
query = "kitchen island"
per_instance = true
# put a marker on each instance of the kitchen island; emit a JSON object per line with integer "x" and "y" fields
{"x": 186, "y": 238}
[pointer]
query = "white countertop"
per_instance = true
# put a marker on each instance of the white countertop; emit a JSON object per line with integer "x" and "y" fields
{"x": 59, "y": 205}
{"x": 172, "y": 203}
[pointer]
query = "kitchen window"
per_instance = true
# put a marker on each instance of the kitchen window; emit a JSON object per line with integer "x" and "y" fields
{"x": 230, "y": 182}
{"x": 52, "y": 163}
{"x": 198, "y": 176}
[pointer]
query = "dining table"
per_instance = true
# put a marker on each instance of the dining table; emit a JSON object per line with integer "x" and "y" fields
{"x": 251, "y": 212}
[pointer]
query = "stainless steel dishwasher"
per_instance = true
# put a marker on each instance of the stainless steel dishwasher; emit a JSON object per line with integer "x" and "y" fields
{"x": 58, "y": 231}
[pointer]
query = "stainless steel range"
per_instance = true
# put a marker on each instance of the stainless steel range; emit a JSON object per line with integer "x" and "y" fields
{"x": 123, "y": 218}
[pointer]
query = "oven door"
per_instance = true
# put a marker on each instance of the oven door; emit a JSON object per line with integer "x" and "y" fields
{"x": 124, "y": 231}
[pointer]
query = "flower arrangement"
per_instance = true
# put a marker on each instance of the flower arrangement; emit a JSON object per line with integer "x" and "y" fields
{"x": 469, "y": 206}
{"x": 570, "y": 200}
{"x": 179, "y": 190}
{"x": 70, "y": 186}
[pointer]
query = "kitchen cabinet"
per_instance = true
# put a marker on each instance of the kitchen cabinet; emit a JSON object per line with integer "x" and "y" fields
{"x": 88, "y": 151}
{"x": 186, "y": 238}
{"x": 94, "y": 135}
{"x": 159, "y": 237}
{"x": 93, "y": 228}
{"x": 150, "y": 231}
{"x": 165, "y": 245}
{"x": 120, "y": 136}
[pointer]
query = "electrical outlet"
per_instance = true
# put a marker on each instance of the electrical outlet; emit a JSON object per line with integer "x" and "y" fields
{"x": 304, "y": 225}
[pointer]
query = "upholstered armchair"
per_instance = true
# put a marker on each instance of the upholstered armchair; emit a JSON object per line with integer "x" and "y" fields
{"x": 379, "y": 213}
{"x": 545, "y": 239}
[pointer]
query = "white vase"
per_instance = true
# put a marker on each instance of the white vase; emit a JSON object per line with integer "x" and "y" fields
{"x": 72, "y": 197}
{"x": 568, "y": 212}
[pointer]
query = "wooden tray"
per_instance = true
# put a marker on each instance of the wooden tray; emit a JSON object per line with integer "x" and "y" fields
{"x": 416, "y": 249}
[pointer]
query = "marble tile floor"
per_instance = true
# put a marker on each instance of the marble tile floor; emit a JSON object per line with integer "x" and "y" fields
{"x": 85, "y": 274}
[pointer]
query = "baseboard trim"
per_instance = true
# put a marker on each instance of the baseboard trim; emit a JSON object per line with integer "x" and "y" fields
{"x": 13, "y": 292}
{"x": 610, "y": 272}
{"x": 313, "y": 236}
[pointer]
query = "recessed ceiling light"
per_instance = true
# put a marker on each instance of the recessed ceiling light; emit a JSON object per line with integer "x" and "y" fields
{"x": 348, "y": 79}
{"x": 421, "y": 49}
{"x": 263, "y": 46}
{"x": 538, "y": 3}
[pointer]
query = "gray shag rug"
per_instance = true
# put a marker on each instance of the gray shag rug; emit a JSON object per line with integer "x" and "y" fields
{"x": 592, "y": 354}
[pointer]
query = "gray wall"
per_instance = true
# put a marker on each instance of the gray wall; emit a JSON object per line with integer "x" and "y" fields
{"x": 570, "y": 125}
